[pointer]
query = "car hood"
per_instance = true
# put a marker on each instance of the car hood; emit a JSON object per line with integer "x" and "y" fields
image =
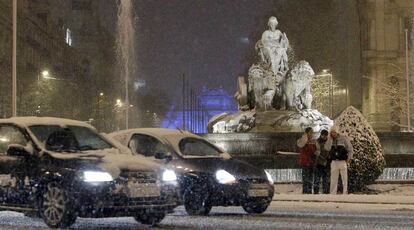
{"x": 238, "y": 168}
{"x": 113, "y": 161}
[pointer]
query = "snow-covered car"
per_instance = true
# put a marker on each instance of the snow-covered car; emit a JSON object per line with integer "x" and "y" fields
{"x": 207, "y": 176}
{"x": 62, "y": 169}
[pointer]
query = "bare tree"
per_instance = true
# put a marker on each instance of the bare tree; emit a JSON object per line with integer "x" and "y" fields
{"x": 394, "y": 95}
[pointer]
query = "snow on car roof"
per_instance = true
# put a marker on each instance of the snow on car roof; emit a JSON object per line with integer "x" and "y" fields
{"x": 113, "y": 159}
{"x": 161, "y": 132}
{"x": 28, "y": 121}
{"x": 173, "y": 136}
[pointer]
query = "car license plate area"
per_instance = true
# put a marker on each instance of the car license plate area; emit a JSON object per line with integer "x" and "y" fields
{"x": 136, "y": 190}
{"x": 258, "y": 192}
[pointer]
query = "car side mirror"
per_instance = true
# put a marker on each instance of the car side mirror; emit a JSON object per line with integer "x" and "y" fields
{"x": 17, "y": 150}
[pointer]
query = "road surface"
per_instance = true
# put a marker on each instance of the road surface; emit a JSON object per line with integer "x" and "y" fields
{"x": 280, "y": 215}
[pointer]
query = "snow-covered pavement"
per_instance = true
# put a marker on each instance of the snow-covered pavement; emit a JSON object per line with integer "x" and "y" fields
{"x": 351, "y": 198}
{"x": 280, "y": 215}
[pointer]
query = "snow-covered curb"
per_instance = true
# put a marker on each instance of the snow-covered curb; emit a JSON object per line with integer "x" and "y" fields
{"x": 351, "y": 198}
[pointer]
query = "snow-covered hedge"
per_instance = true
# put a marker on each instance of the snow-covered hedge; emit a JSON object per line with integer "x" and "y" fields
{"x": 368, "y": 161}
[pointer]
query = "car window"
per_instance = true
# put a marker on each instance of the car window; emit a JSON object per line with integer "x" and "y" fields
{"x": 69, "y": 139}
{"x": 88, "y": 139}
{"x": 146, "y": 145}
{"x": 10, "y": 135}
{"x": 198, "y": 147}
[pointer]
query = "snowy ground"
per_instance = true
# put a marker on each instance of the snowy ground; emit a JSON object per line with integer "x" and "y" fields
{"x": 280, "y": 215}
{"x": 382, "y": 189}
{"x": 386, "y": 206}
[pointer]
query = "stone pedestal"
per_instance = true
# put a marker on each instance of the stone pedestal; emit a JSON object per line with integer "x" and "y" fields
{"x": 271, "y": 121}
{"x": 265, "y": 121}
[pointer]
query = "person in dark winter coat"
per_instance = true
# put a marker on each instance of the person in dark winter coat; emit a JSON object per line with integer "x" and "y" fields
{"x": 322, "y": 164}
{"x": 341, "y": 152}
{"x": 307, "y": 149}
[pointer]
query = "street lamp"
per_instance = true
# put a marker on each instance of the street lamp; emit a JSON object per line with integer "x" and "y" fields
{"x": 45, "y": 73}
{"x": 408, "y": 81}
{"x": 14, "y": 61}
{"x": 119, "y": 103}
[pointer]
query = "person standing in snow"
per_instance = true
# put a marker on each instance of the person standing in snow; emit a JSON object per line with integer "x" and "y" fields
{"x": 322, "y": 164}
{"x": 341, "y": 152}
{"x": 307, "y": 148}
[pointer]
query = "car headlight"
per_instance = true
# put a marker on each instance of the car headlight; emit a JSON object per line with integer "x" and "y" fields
{"x": 96, "y": 176}
{"x": 269, "y": 178}
{"x": 169, "y": 176}
{"x": 224, "y": 177}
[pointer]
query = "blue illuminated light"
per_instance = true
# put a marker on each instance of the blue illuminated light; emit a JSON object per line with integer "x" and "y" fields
{"x": 214, "y": 101}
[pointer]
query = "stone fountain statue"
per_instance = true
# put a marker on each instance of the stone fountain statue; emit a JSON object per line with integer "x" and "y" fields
{"x": 273, "y": 48}
{"x": 274, "y": 97}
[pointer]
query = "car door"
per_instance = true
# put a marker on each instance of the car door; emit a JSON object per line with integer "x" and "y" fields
{"x": 12, "y": 168}
{"x": 147, "y": 145}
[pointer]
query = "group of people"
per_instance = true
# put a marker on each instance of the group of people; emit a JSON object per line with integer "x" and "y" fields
{"x": 324, "y": 159}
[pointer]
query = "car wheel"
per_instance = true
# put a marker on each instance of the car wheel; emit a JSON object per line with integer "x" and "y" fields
{"x": 56, "y": 206}
{"x": 150, "y": 218}
{"x": 256, "y": 206}
{"x": 196, "y": 202}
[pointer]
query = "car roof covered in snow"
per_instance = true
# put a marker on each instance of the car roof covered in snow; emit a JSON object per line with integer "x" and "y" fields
{"x": 28, "y": 121}
{"x": 160, "y": 132}
{"x": 173, "y": 136}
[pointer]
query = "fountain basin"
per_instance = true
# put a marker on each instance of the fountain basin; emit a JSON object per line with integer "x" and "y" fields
{"x": 279, "y": 151}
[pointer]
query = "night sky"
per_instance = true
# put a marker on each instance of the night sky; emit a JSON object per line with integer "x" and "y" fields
{"x": 212, "y": 41}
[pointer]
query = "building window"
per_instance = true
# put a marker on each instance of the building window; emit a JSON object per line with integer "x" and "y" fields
{"x": 68, "y": 37}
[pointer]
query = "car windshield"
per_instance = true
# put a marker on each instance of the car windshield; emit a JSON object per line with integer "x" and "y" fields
{"x": 69, "y": 139}
{"x": 198, "y": 147}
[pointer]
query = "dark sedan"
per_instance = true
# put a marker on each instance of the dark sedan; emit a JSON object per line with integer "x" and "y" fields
{"x": 207, "y": 175}
{"x": 62, "y": 169}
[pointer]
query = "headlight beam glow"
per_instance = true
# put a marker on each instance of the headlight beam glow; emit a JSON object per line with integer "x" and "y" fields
{"x": 169, "y": 176}
{"x": 224, "y": 177}
{"x": 96, "y": 176}
{"x": 269, "y": 178}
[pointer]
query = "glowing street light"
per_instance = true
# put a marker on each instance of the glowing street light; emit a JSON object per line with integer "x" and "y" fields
{"x": 101, "y": 94}
{"x": 119, "y": 103}
{"x": 45, "y": 74}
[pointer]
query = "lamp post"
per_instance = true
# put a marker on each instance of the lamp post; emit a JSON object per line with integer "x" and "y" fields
{"x": 100, "y": 114}
{"x": 14, "y": 61}
{"x": 44, "y": 74}
{"x": 408, "y": 81}
{"x": 331, "y": 93}
{"x": 118, "y": 110}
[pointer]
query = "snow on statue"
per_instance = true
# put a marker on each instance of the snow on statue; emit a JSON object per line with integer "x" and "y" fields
{"x": 273, "y": 48}
{"x": 275, "y": 96}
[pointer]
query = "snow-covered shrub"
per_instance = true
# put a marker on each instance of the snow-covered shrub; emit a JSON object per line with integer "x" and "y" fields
{"x": 368, "y": 161}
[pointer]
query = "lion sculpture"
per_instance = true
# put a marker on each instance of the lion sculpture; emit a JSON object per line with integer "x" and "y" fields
{"x": 296, "y": 88}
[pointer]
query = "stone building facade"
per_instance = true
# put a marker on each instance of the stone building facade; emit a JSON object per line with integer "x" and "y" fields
{"x": 383, "y": 25}
{"x": 66, "y": 38}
